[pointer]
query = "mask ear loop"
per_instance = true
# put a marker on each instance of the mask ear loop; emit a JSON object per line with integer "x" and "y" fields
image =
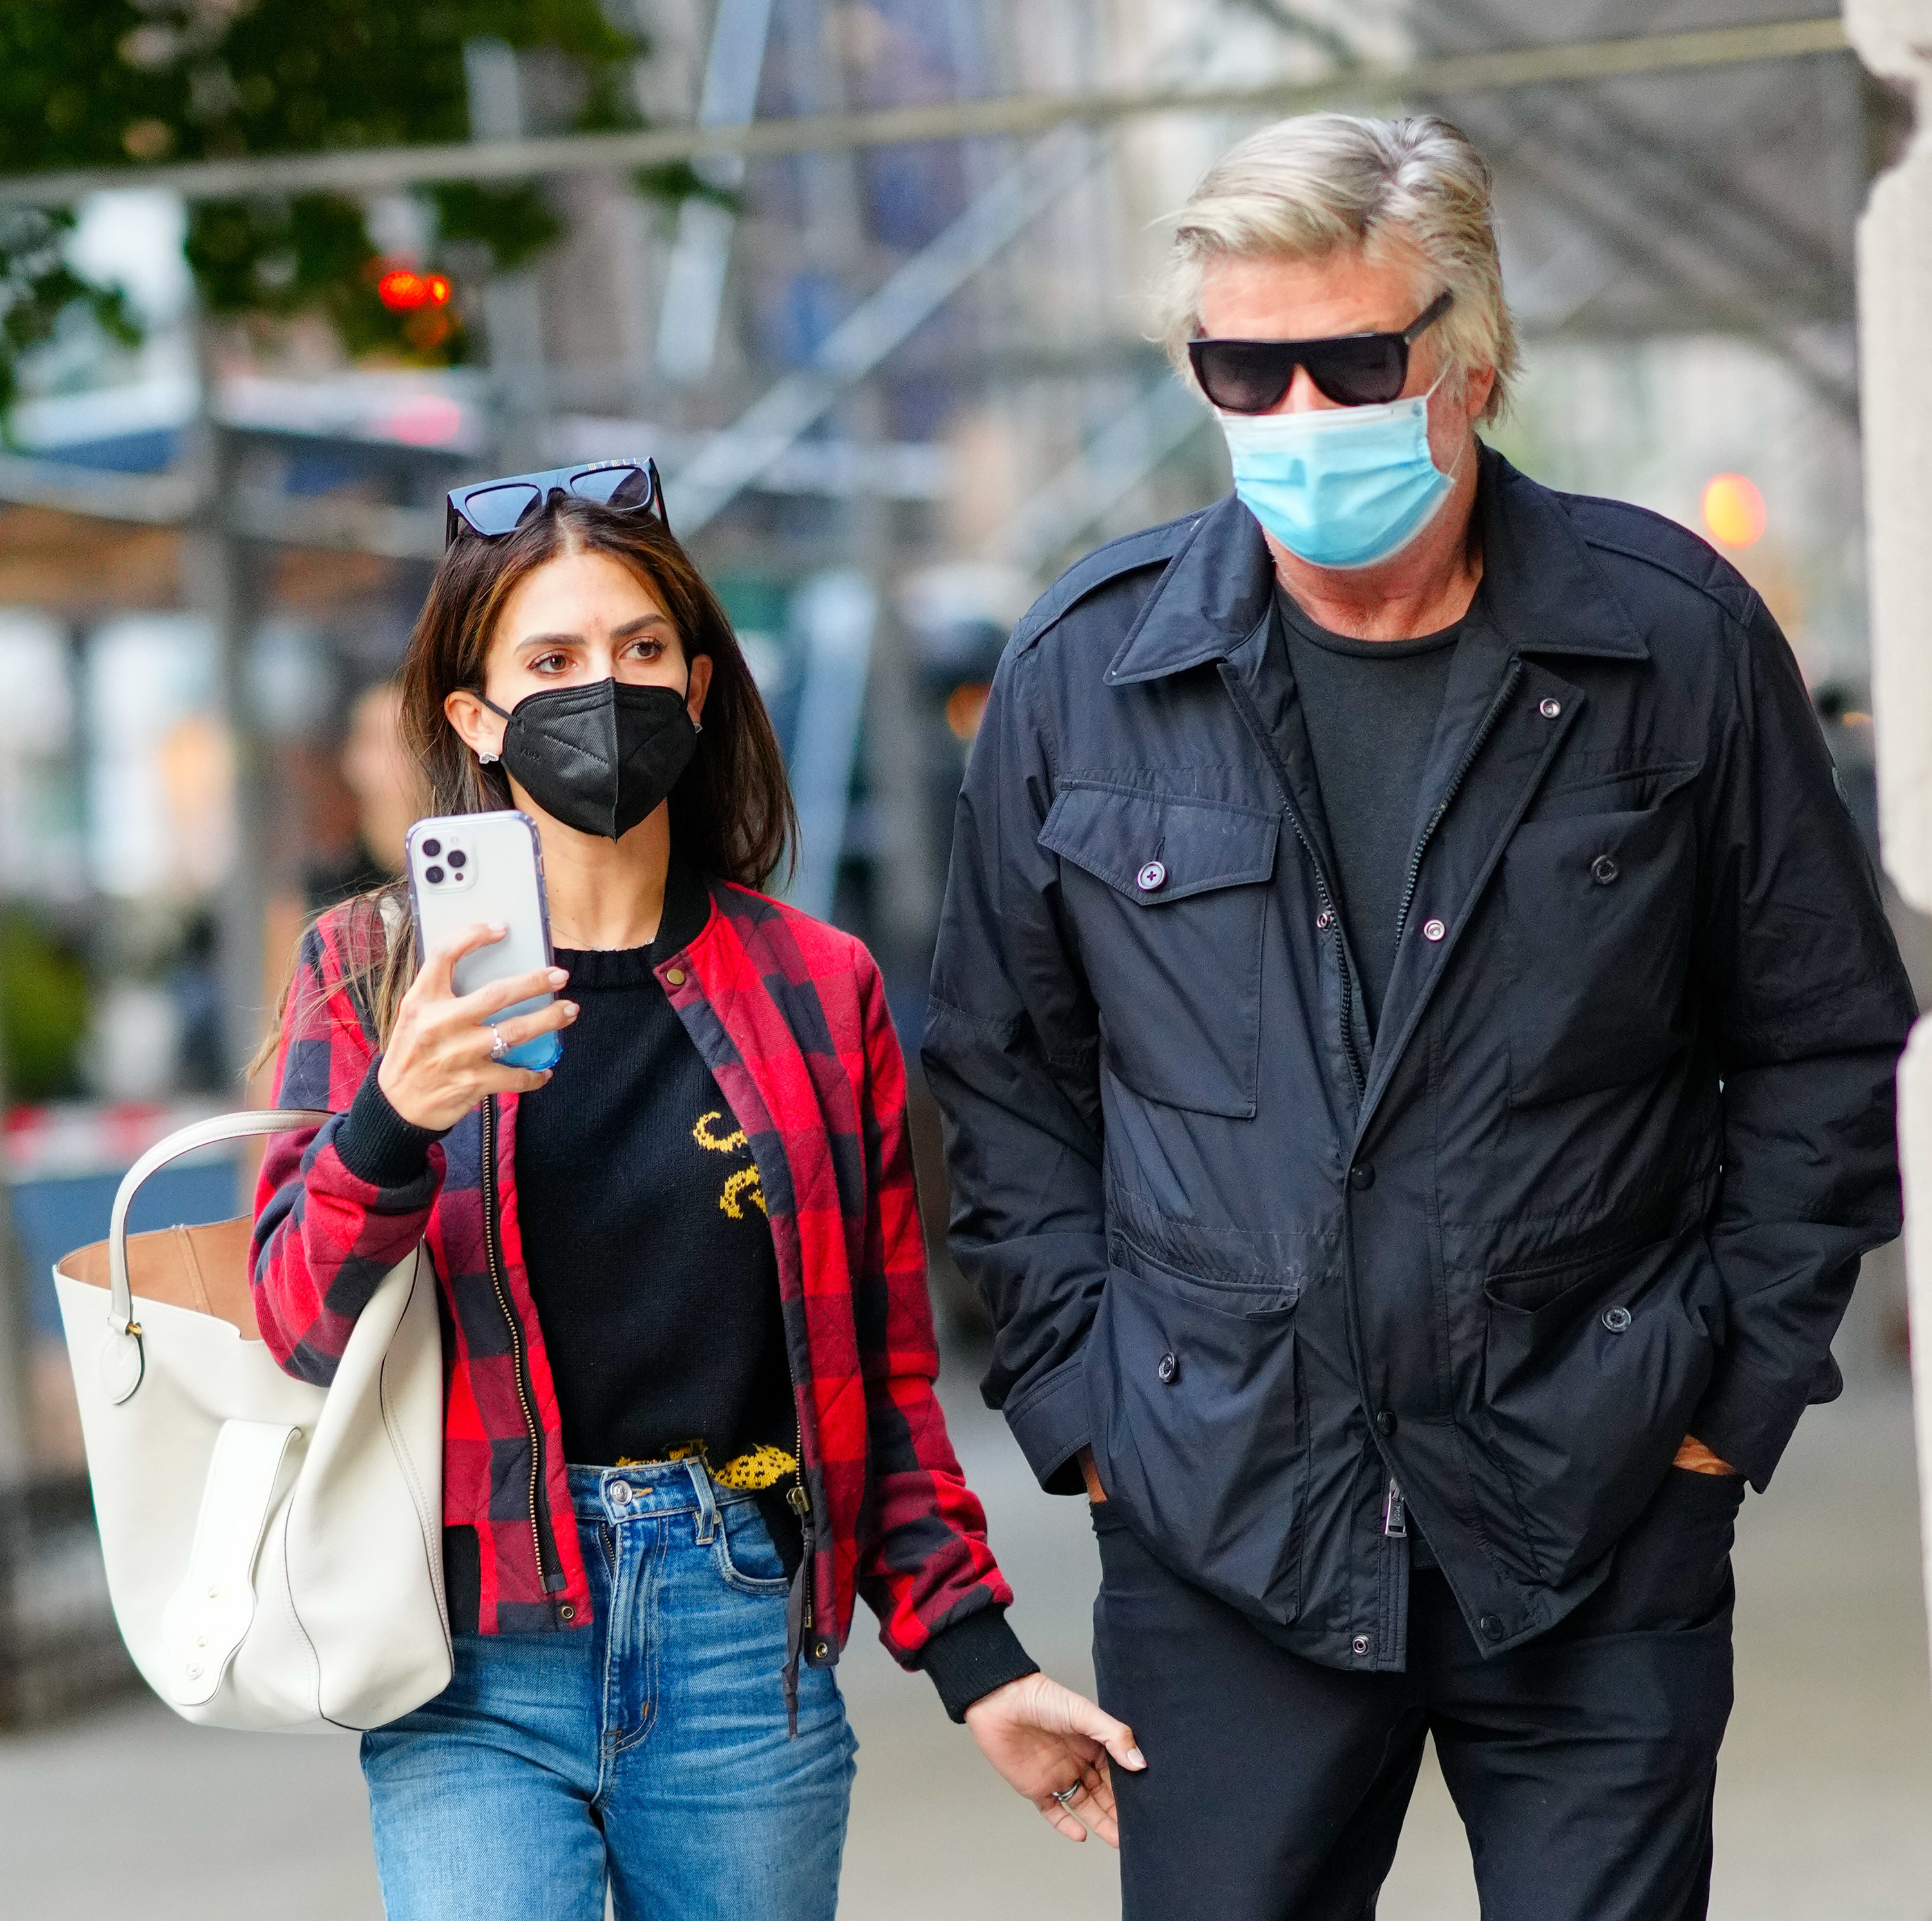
{"x": 485, "y": 759}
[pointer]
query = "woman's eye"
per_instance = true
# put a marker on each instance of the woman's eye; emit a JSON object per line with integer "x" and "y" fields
{"x": 548, "y": 663}
{"x": 647, "y": 650}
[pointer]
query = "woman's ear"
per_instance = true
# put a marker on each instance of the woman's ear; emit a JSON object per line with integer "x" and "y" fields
{"x": 476, "y": 727}
{"x": 699, "y": 686}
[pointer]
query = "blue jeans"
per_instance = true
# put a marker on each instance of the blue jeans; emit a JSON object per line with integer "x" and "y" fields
{"x": 648, "y": 1751}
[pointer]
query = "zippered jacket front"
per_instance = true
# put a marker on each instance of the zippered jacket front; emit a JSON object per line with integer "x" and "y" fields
{"x": 790, "y": 1014}
{"x": 1599, "y": 1176}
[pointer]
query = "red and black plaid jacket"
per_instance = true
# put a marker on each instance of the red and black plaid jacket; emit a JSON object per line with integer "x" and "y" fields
{"x": 790, "y": 1016}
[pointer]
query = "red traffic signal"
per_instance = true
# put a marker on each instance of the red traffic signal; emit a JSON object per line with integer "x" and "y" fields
{"x": 404, "y": 290}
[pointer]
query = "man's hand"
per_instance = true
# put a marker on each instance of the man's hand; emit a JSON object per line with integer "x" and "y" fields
{"x": 1045, "y": 1740}
{"x": 1699, "y": 1460}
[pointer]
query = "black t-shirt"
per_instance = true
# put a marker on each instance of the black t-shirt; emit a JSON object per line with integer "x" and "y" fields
{"x": 650, "y": 1258}
{"x": 1370, "y": 707}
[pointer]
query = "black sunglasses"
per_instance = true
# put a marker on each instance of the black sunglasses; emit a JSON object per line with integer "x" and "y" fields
{"x": 494, "y": 508}
{"x": 1354, "y": 370}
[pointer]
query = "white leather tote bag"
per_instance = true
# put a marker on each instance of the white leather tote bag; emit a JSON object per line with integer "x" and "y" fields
{"x": 273, "y": 1549}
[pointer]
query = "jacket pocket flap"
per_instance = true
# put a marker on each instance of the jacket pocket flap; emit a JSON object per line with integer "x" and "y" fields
{"x": 1157, "y": 847}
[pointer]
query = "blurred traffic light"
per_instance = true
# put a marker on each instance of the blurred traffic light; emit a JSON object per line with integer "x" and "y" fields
{"x": 964, "y": 706}
{"x": 1733, "y": 511}
{"x": 403, "y": 290}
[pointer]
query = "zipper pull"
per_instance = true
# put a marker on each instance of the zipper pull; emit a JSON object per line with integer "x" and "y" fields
{"x": 798, "y": 1501}
{"x": 1395, "y": 1514}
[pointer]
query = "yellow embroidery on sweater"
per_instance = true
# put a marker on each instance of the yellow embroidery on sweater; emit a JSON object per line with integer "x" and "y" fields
{"x": 743, "y": 1183}
{"x": 718, "y": 1143}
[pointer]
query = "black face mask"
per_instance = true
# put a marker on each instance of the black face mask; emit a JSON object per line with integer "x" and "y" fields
{"x": 598, "y": 758}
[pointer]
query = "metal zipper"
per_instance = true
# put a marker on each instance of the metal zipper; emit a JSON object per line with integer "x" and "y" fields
{"x": 490, "y": 1249}
{"x": 1395, "y": 1514}
{"x": 1456, "y": 781}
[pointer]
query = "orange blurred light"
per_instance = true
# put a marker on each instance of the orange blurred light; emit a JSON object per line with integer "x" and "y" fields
{"x": 1733, "y": 511}
{"x": 964, "y": 706}
{"x": 402, "y": 289}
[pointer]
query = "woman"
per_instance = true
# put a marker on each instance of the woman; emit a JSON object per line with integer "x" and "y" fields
{"x": 690, "y": 1410}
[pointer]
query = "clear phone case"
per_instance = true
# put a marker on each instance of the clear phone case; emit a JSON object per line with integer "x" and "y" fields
{"x": 465, "y": 868}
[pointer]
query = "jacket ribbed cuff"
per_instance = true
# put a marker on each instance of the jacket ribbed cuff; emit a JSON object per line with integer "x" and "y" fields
{"x": 376, "y": 1144}
{"x": 1746, "y": 1419}
{"x": 971, "y": 1658}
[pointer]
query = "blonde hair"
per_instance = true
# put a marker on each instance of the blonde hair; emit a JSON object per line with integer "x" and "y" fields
{"x": 1324, "y": 183}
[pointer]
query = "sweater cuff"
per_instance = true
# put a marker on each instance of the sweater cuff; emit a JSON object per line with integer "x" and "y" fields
{"x": 376, "y": 1144}
{"x": 970, "y": 1658}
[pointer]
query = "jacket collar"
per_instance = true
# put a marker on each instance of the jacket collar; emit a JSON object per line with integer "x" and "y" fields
{"x": 1544, "y": 592}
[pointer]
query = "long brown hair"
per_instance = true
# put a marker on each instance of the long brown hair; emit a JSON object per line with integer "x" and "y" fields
{"x": 731, "y": 813}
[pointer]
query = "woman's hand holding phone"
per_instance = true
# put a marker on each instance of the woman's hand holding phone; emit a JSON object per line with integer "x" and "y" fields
{"x": 438, "y": 1064}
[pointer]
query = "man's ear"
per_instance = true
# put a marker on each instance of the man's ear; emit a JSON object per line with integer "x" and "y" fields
{"x": 476, "y": 727}
{"x": 1478, "y": 383}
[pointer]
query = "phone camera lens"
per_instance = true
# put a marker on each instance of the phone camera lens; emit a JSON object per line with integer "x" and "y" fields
{"x": 433, "y": 875}
{"x": 432, "y": 847}
{"x": 458, "y": 859}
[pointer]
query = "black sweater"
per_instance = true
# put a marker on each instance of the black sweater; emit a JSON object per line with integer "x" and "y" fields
{"x": 658, "y": 1292}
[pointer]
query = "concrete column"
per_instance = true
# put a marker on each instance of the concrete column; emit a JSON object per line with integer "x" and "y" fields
{"x": 1893, "y": 38}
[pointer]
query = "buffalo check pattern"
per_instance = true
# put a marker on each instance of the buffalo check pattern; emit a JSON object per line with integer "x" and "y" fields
{"x": 790, "y": 1016}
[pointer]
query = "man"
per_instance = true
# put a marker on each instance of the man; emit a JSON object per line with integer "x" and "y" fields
{"x": 1416, "y": 1027}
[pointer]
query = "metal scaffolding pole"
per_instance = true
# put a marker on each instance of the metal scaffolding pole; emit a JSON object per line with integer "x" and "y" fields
{"x": 372, "y": 170}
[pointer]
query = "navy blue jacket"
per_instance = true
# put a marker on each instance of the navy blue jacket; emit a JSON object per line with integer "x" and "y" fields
{"x": 1602, "y": 1179}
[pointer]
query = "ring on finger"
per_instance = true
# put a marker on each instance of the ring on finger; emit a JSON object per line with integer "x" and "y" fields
{"x": 1067, "y": 1795}
{"x": 500, "y": 1044}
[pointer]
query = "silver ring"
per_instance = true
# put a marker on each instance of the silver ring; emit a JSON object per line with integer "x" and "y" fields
{"x": 1066, "y": 1796}
{"x": 499, "y": 1046}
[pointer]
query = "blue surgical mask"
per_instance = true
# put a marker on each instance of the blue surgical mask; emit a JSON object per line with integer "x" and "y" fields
{"x": 1339, "y": 487}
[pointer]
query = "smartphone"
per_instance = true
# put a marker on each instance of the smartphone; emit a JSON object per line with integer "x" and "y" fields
{"x": 465, "y": 868}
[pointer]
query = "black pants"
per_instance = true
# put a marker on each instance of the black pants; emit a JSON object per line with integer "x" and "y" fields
{"x": 1582, "y": 1764}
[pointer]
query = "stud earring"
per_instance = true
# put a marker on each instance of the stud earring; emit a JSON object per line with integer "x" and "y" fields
{"x": 487, "y": 760}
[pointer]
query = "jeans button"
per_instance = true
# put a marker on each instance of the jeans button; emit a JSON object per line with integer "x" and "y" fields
{"x": 620, "y": 1493}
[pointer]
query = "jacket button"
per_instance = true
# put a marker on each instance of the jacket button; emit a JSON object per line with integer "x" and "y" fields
{"x": 675, "y": 976}
{"x": 1362, "y": 1177}
{"x": 1550, "y": 709}
{"x": 1169, "y": 1370}
{"x": 1152, "y": 878}
{"x": 1324, "y": 920}
{"x": 566, "y": 1613}
{"x": 1359, "y": 1644}
{"x": 1492, "y": 1626}
{"x": 1603, "y": 870}
{"x": 1617, "y": 1319}
{"x": 1433, "y": 930}
{"x": 1385, "y": 1423}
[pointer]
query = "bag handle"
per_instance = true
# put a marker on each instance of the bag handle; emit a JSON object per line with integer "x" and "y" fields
{"x": 184, "y": 1140}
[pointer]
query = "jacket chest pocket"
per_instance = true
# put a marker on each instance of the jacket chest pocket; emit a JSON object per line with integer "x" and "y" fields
{"x": 1168, "y": 895}
{"x": 1600, "y": 908}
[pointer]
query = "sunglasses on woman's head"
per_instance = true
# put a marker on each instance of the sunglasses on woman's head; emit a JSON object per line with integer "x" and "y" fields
{"x": 494, "y": 508}
{"x": 1353, "y": 369}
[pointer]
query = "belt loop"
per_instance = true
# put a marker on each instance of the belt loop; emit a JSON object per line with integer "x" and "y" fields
{"x": 707, "y": 1501}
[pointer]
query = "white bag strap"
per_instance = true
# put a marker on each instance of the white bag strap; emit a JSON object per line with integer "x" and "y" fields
{"x": 184, "y": 1140}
